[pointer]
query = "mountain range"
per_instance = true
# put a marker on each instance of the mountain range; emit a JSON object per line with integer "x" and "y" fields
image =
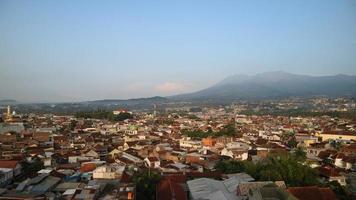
{"x": 7, "y": 102}
{"x": 268, "y": 85}
{"x": 271, "y": 85}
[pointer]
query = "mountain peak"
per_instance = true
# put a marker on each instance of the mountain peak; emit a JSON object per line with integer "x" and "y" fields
{"x": 277, "y": 84}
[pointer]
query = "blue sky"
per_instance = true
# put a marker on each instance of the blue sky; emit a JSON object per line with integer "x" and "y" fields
{"x": 84, "y": 50}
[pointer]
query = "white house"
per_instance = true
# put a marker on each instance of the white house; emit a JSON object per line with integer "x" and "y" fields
{"x": 187, "y": 143}
{"x": 113, "y": 171}
{"x": 235, "y": 153}
{"x": 152, "y": 162}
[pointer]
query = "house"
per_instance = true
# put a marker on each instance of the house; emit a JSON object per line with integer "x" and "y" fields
{"x": 120, "y": 110}
{"x": 113, "y": 171}
{"x": 152, "y": 162}
{"x": 126, "y": 191}
{"x": 270, "y": 191}
{"x": 337, "y": 135}
{"x": 329, "y": 173}
{"x": 350, "y": 162}
{"x": 188, "y": 143}
{"x": 42, "y": 183}
{"x": 210, "y": 189}
{"x": 91, "y": 154}
{"x": 209, "y": 142}
{"x": 314, "y": 149}
{"x": 6, "y": 176}
{"x": 8, "y": 138}
{"x": 87, "y": 194}
{"x": 312, "y": 193}
{"x": 243, "y": 188}
{"x": 236, "y": 153}
{"x": 101, "y": 150}
{"x": 205, "y": 159}
{"x": 114, "y": 153}
{"x": 172, "y": 187}
{"x": 175, "y": 167}
{"x": 88, "y": 167}
{"x": 44, "y": 138}
{"x": 128, "y": 159}
{"x": 175, "y": 156}
{"x": 13, "y": 165}
{"x": 349, "y": 149}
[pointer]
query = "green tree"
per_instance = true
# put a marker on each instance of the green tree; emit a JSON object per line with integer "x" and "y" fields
{"x": 274, "y": 168}
{"x": 300, "y": 154}
{"x": 102, "y": 114}
{"x": 146, "y": 184}
{"x": 289, "y": 139}
{"x": 230, "y": 166}
{"x": 72, "y": 124}
{"x": 228, "y": 130}
{"x": 120, "y": 117}
{"x": 30, "y": 169}
{"x": 336, "y": 144}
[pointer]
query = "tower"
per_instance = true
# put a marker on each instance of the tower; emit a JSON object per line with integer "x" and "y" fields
{"x": 8, "y": 113}
{"x": 154, "y": 110}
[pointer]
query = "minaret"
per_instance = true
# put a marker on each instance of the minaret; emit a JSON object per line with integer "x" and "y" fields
{"x": 154, "y": 111}
{"x": 8, "y": 113}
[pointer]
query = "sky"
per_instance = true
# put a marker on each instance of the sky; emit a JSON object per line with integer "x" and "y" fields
{"x": 56, "y": 51}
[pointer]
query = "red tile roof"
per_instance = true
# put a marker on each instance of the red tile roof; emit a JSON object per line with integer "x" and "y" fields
{"x": 329, "y": 171}
{"x": 126, "y": 178}
{"x": 10, "y": 164}
{"x": 88, "y": 167}
{"x": 171, "y": 187}
{"x": 312, "y": 193}
{"x": 153, "y": 159}
{"x": 204, "y": 174}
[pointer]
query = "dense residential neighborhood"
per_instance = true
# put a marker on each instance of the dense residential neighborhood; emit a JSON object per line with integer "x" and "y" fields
{"x": 207, "y": 152}
{"x": 177, "y": 100}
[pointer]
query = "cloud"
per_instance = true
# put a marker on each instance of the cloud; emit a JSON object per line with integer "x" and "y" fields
{"x": 170, "y": 87}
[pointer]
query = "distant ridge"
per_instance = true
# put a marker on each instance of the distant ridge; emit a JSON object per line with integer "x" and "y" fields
{"x": 277, "y": 84}
{"x": 7, "y": 101}
{"x": 155, "y": 99}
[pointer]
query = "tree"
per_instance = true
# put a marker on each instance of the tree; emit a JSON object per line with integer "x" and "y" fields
{"x": 230, "y": 166}
{"x": 31, "y": 168}
{"x": 289, "y": 139}
{"x": 120, "y": 117}
{"x": 228, "y": 130}
{"x": 102, "y": 114}
{"x": 146, "y": 183}
{"x": 73, "y": 124}
{"x": 300, "y": 154}
{"x": 274, "y": 168}
{"x": 336, "y": 144}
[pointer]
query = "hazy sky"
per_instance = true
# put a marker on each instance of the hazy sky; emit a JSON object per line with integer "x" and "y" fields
{"x": 85, "y": 50}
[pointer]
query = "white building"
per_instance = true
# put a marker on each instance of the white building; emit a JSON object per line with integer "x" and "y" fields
{"x": 187, "y": 143}
{"x": 235, "y": 153}
{"x": 153, "y": 162}
{"x": 108, "y": 172}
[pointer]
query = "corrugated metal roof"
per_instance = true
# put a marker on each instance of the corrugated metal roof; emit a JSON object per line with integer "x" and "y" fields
{"x": 205, "y": 188}
{"x": 46, "y": 184}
